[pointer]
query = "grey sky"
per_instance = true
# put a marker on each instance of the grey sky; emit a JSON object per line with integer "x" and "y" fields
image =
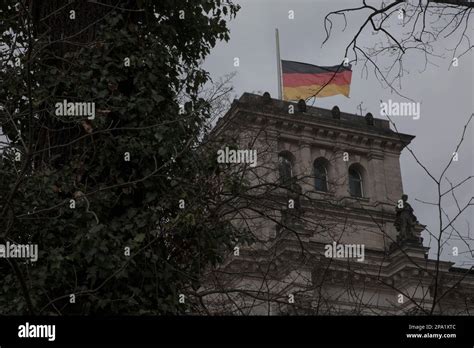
{"x": 446, "y": 96}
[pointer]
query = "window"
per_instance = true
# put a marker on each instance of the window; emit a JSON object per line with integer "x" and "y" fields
{"x": 355, "y": 182}
{"x": 285, "y": 167}
{"x": 320, "y": 175}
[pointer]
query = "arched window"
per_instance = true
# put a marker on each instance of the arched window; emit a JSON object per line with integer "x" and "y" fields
{"x": 320, "y": 175}
{"x": 355, "y": 182}
{"x": 285, "y": 167}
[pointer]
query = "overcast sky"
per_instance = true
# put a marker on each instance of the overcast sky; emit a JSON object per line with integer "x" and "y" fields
{"x": 445, "y": 96}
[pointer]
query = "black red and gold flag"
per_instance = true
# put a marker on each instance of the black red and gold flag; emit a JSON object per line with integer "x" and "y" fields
{"x": 302, "y": 81}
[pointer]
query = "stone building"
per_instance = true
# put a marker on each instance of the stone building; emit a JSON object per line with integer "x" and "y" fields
{"x": 322, "y": 208}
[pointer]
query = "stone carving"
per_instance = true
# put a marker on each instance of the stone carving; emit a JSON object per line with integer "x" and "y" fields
{"x": 336, "y": 113}
{"x": 301, "y": 105}
{"x": 369, "y": 119}
{"x": 405, "y": 220}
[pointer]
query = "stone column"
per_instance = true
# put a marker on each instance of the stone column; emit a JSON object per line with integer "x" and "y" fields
{"x": 377, "y": 176}
{"x": 305, "y": 166}
{"x": 339, "y": 173}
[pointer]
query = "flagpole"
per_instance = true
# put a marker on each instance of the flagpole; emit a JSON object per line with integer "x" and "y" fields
{"x": 280, "y": 83}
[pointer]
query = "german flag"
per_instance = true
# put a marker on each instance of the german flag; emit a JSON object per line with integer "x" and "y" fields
{"x": 302, "y": 81}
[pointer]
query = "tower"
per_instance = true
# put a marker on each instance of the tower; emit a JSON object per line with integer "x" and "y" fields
{"x": 321, "y": 204}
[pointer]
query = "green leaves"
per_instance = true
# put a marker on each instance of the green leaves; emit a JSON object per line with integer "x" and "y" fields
{"x": 137, "y": 111}
{"x": 96, "y": 228}
{"x": 139, "y": 237}
{"x": 157, "y": 98}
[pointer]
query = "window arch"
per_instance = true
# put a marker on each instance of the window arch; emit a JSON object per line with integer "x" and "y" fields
{"x": 356, "y": 187}
{"x": 285, "y": 166}
{"x": 320, "y": 171}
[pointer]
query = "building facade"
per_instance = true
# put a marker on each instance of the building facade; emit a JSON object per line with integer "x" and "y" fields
{"x": 332, "y": 234}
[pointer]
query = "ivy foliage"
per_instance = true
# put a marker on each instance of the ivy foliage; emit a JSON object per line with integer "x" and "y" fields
{"x": 133, "y": 178}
